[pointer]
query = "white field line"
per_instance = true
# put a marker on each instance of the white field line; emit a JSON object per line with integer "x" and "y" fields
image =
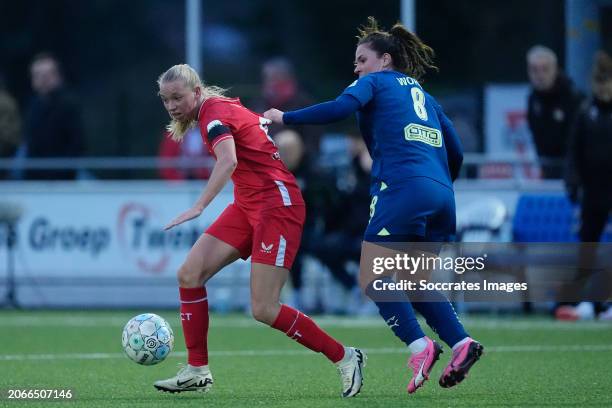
{"x": 265, "y": 353}
{"x": 501, "y": 323}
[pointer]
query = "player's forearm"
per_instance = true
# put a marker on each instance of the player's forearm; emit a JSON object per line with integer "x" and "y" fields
{"x": 221, "y": 173}
{"x": 326, "y": 112}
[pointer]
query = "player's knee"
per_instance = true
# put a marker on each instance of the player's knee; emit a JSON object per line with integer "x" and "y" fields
{"x": 188, "y": 277}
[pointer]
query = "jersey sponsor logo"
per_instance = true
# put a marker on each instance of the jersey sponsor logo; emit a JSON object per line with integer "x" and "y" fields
{"x": 424, "y": 134}
{"x": 267, "y": 249}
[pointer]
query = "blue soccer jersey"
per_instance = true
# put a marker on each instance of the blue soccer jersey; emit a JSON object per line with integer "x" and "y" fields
{"x": 403, "y": 127}
{"x": 416, "y": 156}
{"x": 415, "y": 150}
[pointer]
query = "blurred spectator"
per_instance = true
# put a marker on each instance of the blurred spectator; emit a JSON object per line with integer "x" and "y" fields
{"x": 280, "y": 89}
{"x": 192, "y": 147}
{"x": 321, "y": 196}
{"x": 349, "y": 214}
{"x": 10, "y": 126}
{"x": 346, "y": 216}
{"x": 53, "y": 123}
{"x": 589, "y": 175}
{"x": 590, "y": 167}
{"x": 315, "y": 190}
{"x": 552, "y": 107}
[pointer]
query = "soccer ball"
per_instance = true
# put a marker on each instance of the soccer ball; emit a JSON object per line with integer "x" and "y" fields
{"x": 147, "y": 339}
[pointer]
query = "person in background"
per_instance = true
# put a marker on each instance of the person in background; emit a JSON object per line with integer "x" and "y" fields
{"x": 10, "y": 126}
{"x": 192, "y": 148}
{"x": 52, "y": 125}
{"x": 292, "y": 152}
{"x": 328, "y": 210}
{"x": 280, "y": 88}
{"x": 552, "y": 107}
{"x": 589, "y": 174}
{"x": 346, "y": 217}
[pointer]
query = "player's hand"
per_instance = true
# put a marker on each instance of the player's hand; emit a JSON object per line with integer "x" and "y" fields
{"x": 190, "y": 214}
{"x": 274, "y": 115}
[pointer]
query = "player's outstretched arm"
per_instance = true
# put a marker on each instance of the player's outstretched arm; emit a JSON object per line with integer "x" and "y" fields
{"x": 226, "y": 163}
{"x": 319, "y": 114}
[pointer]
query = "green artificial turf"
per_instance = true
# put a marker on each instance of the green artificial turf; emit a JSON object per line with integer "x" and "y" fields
{"x": 527, "y": 362}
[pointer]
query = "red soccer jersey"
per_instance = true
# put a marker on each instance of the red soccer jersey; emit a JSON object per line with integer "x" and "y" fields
{"x": 261, "y": 180}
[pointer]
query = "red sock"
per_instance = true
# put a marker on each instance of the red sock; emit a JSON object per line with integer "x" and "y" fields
{"x": 194, "y": 318}
{"x": 305, "y": 331}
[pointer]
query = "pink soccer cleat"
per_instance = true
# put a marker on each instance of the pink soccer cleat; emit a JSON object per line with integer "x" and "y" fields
{"x": 422, "y": 364}
{"x": 463, "y": 359}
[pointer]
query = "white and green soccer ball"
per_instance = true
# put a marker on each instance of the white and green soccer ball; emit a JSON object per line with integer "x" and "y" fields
{"x": 147, "y": 339}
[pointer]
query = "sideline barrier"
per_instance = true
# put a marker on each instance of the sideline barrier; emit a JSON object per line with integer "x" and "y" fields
{"x": 89, "y": 244}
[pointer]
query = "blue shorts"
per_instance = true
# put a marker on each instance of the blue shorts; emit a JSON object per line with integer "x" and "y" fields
{"x": 418, "y": 209}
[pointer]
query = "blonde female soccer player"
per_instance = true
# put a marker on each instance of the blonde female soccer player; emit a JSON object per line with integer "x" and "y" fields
{"x": 264, "y": 222}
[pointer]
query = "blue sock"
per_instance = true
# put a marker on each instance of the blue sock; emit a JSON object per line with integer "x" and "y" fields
{"x": 441, "y": 317}
{"x": 396, "y": 310}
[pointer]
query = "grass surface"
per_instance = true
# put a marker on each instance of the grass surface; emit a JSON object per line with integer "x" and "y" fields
{"x": 527, "y": 362}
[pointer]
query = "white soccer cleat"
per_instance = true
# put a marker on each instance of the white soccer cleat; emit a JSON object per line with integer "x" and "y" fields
{"x": 351, "y": 372}
{"x": 189, "y": 378}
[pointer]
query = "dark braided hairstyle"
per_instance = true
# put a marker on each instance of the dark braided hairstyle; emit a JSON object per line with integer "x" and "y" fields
{"x": 410, "y": 55}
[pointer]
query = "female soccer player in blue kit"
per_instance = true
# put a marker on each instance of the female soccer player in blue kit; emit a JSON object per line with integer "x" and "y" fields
{"x": 416, "y": 157}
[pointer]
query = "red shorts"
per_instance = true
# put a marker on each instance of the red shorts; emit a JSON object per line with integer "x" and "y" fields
{"x": 272, "y": 238}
